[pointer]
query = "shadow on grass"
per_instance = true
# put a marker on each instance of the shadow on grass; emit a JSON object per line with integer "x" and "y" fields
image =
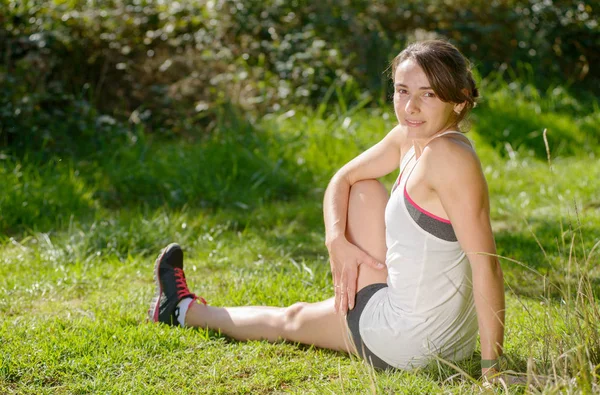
{"x": 552, "y": 256}
{"x": 238, "y": 167}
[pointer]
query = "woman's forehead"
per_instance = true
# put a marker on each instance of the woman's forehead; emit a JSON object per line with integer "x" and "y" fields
{"x": 409, "y": 73}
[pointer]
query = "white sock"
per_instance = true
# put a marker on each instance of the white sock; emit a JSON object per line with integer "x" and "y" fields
{"x": 181, "y": 310}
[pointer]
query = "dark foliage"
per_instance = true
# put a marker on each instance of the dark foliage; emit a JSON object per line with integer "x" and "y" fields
{"x": 169, "y": 66}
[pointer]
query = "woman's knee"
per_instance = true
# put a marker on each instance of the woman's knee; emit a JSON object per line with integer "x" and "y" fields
{"x": 292, "y": 317}
{"x": 368, "y": 192}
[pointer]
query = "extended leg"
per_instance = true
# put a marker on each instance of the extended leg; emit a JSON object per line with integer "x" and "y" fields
{"x": 309, "y": 323}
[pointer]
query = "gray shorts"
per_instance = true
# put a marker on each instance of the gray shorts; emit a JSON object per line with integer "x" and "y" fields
{"x": 353, "y": 319}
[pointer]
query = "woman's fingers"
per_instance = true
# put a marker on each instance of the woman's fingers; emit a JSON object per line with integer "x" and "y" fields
{"x": 369, "y": 260}
{"x": 344, "y": 293}
{"x": 336, "y": 285}
{"x": 336, "y": 304}
{"x": 344, "y": 261}
{"x": 348, "y": 288}
{"x": 351, "y": 292}
{"x": 338, "y": 297}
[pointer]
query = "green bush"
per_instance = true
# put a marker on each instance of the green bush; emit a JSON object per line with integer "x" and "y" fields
{"x": 170, "y": 65}
{"x": 53, "y": 122}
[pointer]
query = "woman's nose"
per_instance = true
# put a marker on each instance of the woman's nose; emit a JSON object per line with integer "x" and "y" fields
{"x": 411, "y": 106}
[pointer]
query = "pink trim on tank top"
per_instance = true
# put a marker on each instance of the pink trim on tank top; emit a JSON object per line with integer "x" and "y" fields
{"x": 427, "y": 213}
{"x": 397, "y": 183}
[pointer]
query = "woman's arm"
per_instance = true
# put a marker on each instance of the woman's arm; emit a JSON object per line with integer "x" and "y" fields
{"x": 377, "y": 161}
{"x": 457, "y": 178}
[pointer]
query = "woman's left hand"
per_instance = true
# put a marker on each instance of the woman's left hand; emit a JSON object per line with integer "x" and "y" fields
{"x": 344, "y": 258}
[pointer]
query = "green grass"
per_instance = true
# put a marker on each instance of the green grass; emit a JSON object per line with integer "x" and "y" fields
{"x": 76, "y": 260}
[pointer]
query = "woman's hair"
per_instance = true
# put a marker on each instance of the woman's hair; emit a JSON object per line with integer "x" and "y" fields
{"x": 447, "y": 70}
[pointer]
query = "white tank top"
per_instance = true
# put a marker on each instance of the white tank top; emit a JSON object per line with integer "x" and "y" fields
{"x": 428, "y": 307}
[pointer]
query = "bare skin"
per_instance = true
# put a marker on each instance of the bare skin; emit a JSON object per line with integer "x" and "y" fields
{"x": 309, "y": 323}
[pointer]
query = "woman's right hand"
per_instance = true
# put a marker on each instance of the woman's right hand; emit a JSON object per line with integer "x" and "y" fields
{"x": 344, "y": 258}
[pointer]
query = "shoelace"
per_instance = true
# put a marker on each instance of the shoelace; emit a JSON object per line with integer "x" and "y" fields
{"x": 182, "y": 288}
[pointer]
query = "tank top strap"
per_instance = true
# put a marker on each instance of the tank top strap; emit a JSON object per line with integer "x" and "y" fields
{"x": 404, "y": 175}
{"x": 430, "y": 140}
{"x": 447, "y": 133}
{"x": 451, "y": 132}
{"x": 407, "y": 157}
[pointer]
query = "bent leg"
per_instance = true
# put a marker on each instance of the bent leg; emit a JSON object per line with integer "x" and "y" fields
{"x": 365, "y": 227}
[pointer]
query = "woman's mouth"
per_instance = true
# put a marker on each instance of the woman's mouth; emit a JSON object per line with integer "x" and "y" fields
{"x": 414, "y": 123}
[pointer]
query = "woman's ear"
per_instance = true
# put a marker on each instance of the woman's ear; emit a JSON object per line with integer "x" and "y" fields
{"x": 460, "y": 106}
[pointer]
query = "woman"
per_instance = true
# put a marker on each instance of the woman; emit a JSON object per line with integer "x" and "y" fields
{"x": 415, "y": 273}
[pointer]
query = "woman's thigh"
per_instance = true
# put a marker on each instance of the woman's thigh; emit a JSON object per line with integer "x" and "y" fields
{"x": 365, "y": 227}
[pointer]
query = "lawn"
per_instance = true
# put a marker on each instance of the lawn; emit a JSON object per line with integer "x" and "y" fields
{"x": 80, "y": 235}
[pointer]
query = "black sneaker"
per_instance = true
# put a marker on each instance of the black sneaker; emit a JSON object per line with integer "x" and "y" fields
{"x": 171, "y": 286}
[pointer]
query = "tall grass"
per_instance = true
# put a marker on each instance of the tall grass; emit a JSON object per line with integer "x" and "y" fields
{"x": 563, "y": 337}
{"x": 39, "y": 196}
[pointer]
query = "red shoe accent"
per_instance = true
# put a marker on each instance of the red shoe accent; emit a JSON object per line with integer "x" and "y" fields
{"x": 183, "y": 291}
{"x": 182, "y": 288}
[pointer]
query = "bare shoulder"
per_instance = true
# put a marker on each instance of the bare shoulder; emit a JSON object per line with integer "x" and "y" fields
{"x": 452, "y": 158}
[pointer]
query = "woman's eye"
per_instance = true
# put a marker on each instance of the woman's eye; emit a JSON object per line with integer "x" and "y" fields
{"x": 429, "y": 94}
{"x": 402, "y": 91}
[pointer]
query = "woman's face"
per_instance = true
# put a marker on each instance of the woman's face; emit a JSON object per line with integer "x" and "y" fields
{"x": 417, "y": 106}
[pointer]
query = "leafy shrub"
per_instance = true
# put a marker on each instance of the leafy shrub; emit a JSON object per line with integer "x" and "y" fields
{"x": 170, "y": 65}
{"x": 52, "y": 121}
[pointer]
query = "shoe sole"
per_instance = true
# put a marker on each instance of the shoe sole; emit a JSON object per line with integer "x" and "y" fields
{"x": 155, "y": 303}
